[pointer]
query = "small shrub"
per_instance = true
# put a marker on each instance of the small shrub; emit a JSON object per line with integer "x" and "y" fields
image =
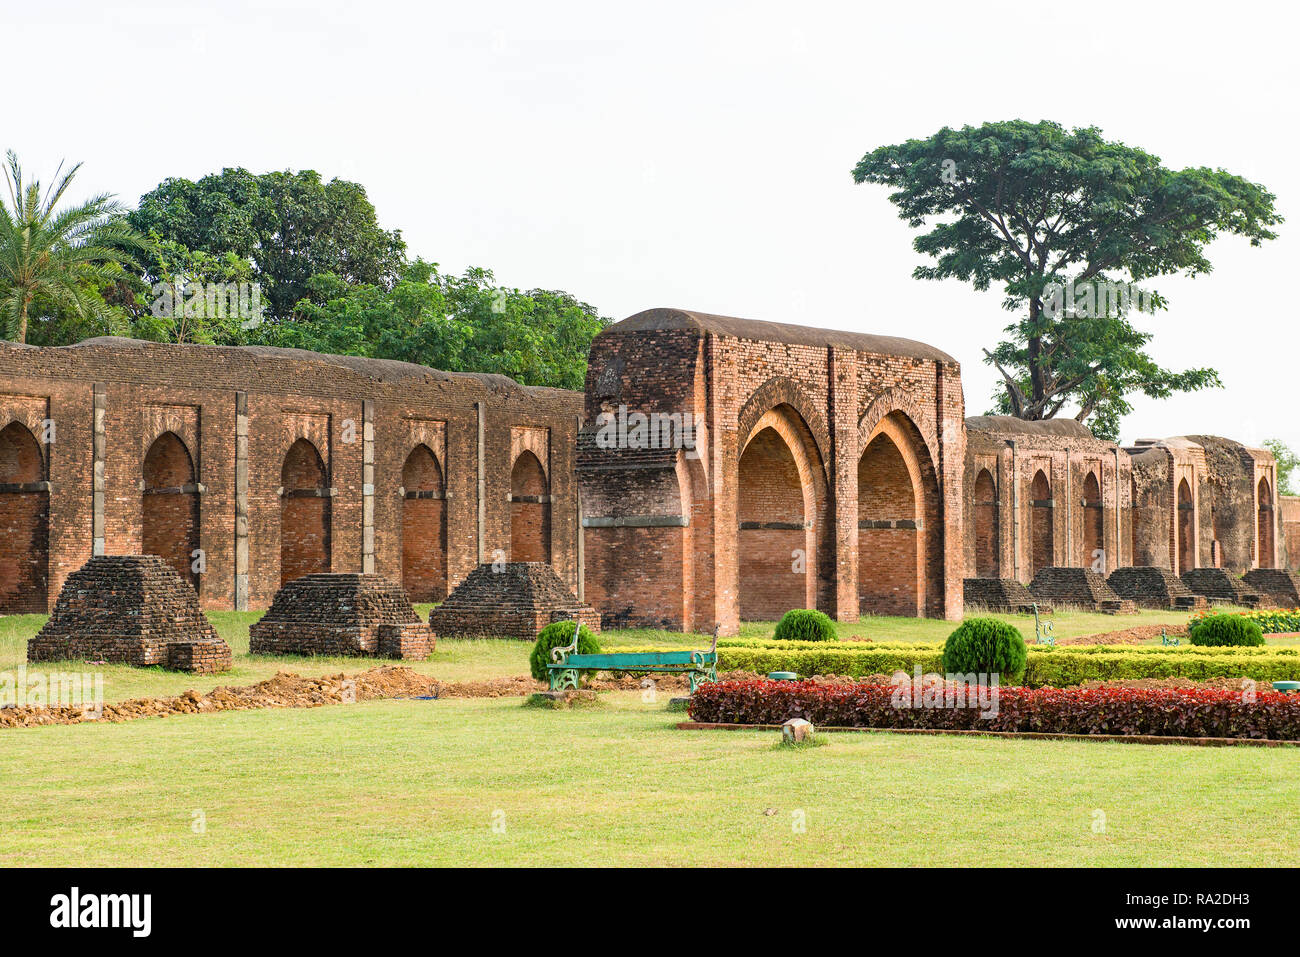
{"x": 986, "y": 645}
{"x": 559, "y": 634}
{"x": 805, "y": 624}
{"x": 1226, "y": 630}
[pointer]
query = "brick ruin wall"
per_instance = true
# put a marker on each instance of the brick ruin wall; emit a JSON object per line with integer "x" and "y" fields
{"x": 1043, "y": 494}
{"x": 787, "y": 520}
{"x": 272, "y": 463}
{"x": 1289, "y": 520}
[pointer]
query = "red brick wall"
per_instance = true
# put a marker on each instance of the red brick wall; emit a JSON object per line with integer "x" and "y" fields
{"x": 985, "y": 526}
{"x": 1042, "y": 533}
{"x": 1289, "y": 522}
{"x": 829, "y": 399}
{"x": 194, "y": 391}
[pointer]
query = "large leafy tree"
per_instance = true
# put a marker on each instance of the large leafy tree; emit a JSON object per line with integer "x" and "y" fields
{"x": 1038, "y": 208}
{"x": 61, "y": 261}
{"x": 289, "y": 225}
{"x": 460, "y": 323}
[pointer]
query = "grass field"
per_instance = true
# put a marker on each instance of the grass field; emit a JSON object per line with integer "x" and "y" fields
{"x": 488, "y": 781}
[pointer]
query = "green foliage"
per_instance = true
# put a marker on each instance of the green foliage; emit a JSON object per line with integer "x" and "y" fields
{"x": 1226, "y": 631}
{"x": 805, "y": 624}
{"x": 61, "y": 264}
{"x": 460, "y": 324}
{"x": 289, "y": 225}
{"x": 1029, "y": 204}
{"x": 985, "y": 646}
{"x": 1286, "y": 465}
{"x": 1054, "y": 666}
{"x": 559, "y": 634}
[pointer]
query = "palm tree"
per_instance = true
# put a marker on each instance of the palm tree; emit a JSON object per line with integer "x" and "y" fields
{"x": 58, "y": 255}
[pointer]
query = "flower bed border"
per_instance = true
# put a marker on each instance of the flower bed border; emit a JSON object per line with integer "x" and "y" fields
{"x": 1026, "y": 735}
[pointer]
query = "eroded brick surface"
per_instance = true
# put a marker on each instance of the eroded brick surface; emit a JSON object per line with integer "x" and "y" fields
{"x": 509, "y": 600}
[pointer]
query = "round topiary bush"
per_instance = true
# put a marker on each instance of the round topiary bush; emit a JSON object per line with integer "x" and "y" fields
{"x": 987, "y": 646}
{"x": 1226, "y": 630}
{"x": 805, "y": 624}
{"x": 559, "y": 634}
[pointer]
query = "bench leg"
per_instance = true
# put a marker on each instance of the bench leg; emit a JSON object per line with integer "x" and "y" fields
{"x": 697, "y": 678}
{"x": 563, "y": 678}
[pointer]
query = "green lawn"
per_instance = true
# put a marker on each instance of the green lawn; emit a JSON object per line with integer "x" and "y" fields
{"x": 418, "y": 782}
{"x": 423, "y": 782}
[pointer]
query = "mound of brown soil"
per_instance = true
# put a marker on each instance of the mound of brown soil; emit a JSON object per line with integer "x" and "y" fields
{"x": 1136, "y": 635}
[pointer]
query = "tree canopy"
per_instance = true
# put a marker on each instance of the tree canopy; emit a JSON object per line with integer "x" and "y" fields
{"x": 1040, "y": 210}
{"x": 59, "y": 259}
{"x": 289, "y": 225}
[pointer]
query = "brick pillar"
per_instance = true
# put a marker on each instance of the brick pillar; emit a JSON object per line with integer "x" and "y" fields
{"x": 100, "y": 451}
{"x": 481, "y": 534}
{"x": 725, "y": 466}
{"x": 367, "y": 486}
{"x": 241, "y": 501}
{"x": 842, "y": 371}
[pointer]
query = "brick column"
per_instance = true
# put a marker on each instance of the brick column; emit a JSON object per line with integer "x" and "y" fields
{"x": 367, "y": 486}
{"x": 100, "y": 450}
{"x": 842, "y": 372}
{"x": 241, "y": 501}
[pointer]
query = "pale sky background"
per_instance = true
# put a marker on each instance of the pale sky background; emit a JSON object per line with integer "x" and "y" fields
{"x": 692, "y": 154}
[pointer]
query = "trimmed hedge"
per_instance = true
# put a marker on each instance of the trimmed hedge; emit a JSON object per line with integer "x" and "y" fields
{"x": 805, "y": 624}
{"x": 985, "y": 646}
{"x": 1274, "y": 621}
{"x": 1045, "y": 665}
{"x": 1209, "y": 713}
{"x": 559, "y": 634}
{"x": 1226, "y": 631}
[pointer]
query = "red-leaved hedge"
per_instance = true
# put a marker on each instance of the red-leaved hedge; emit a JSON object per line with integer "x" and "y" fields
{"x": 1199, "y": 713}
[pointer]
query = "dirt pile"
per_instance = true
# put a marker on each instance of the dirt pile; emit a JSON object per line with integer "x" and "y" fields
{"x": 1127, "y": 636}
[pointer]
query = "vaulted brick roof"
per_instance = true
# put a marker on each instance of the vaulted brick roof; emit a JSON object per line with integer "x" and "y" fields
{"x": 654, "y": 320}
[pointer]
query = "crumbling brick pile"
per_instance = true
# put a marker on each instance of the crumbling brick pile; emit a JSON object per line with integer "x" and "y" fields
{"x": 1281, "y": 586}
{"x": 130, "y": 609}
{"x": 1151, "y": 587}
{"x": 509, "y": 600}
{"x": 341, "y": 614}
{"x": 1079, "y": 588}
{"x": 1221, "y": 586}
{"x": 1001, "y": 594}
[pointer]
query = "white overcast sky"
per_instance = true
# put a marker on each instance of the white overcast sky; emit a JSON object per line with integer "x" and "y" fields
{"x": 692, "y": 154}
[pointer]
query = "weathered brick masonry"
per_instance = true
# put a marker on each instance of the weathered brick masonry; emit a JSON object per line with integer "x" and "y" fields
{"x": 246, "y": 467}
{"x": 1043, "y": 494}
{"x": 826, "y": 472}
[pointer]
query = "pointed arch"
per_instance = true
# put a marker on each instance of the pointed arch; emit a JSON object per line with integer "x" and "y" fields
{"x": 1264, "y": 519}
{"x": 782, "y": 544}
{"x": 424, "y": 526}
{"x": 900, "y": 560}
{"x": 986, "y": 525}
{"x": 530, "y": 510}
{"x": 1042, "y": 532}
{"x": 170, "y": 508}
{"x": 24, "y": 523}
{"x": 304, "y": 512}
{"x": 1092, "y": 541}
{"x": 1185, "y": 546}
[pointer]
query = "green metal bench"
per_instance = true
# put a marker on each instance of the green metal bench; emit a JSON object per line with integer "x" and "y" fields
{"x": 566, "y": 664}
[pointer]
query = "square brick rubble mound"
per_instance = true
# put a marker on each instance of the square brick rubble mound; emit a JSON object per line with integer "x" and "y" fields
{"x": 341, "y": 614}
{"x": 130, "y": 609}
{"x": 510, "y": 600}
{"x": 1279, "y": 585}
{"x": 1002, "y": 594}
{"x": 1080, "y": 588}
{"x": 1220, "y": 585}
{"x": 1151, "y": 587}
